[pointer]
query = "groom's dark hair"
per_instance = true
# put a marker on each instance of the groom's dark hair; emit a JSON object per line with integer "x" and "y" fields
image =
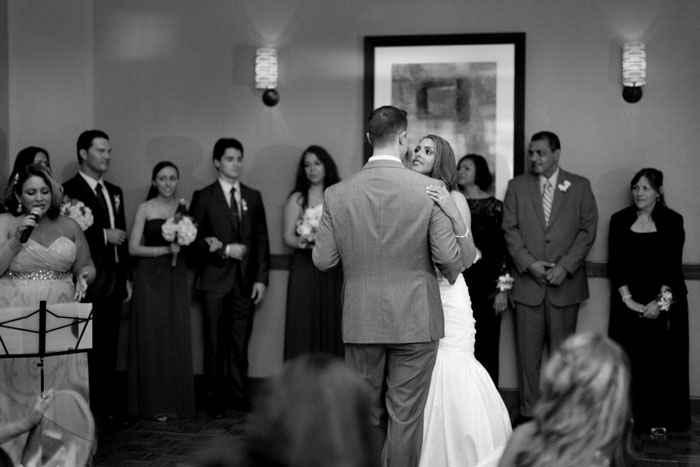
{"x": 384, "y": 123}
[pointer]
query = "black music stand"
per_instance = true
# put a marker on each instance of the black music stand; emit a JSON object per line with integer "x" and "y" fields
{"x": 40, "y": 333}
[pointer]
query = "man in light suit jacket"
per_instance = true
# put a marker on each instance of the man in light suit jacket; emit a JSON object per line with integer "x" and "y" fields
{"x": 108, "y": 247}
{"x": 389, "y": 237}
{"x": 233, "y": 256}
{"x": 549, "y": 220}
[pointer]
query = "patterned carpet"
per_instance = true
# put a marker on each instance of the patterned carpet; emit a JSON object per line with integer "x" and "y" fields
{"x": 175, "y": 443}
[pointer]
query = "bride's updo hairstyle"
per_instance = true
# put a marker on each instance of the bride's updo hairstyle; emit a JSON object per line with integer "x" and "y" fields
{"x": 583, "y": 415}
{"x": 13, "y": 193}
{"x": 444, "y": 167}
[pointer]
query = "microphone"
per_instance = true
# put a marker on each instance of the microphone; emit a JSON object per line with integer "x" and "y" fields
{"x": 35, "y": 214}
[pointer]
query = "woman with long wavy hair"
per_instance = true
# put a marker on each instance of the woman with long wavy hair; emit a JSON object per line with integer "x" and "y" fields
{"x": 465, "y": 418}
{"x": 583, "y": 416}
{"x": 313, "y": 297}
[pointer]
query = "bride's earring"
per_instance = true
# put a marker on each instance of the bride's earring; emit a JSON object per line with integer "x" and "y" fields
{"x": 19, "y": 208}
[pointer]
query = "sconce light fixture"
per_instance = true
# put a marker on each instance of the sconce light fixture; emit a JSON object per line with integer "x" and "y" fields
{"x": 266, "y": 74}
{"x": 634, "y": 71}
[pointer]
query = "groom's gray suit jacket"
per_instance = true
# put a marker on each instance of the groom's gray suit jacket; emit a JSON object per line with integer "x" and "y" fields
{"x": 390, "y": 236}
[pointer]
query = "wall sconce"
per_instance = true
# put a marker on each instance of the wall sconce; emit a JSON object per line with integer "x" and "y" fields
{"x": 634, "y": 71}
{"x": 266, "y": 74}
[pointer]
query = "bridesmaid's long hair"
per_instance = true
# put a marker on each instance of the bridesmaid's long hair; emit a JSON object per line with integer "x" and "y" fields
{"x": 153, "y": 191}
{"x": 444, "y": 167}
{"x": 302, "y": 184}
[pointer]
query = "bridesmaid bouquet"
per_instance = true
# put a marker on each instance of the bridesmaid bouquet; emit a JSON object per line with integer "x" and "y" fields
{"x": 307, "y": 226}
{"x": 77, "y": 211}
{"x": 179, "y": 229}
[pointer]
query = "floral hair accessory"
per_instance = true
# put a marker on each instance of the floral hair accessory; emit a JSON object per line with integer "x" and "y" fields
{"x": 664, "y": 300}
{"x": 504, "y": 283}
{"x": 14, "y": 181}
{"x": 563, "y": 186}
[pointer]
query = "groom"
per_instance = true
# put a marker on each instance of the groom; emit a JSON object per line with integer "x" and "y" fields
{"x": 389, "y": 236}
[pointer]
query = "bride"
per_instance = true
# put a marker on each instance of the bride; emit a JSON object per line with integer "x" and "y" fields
{"x": 465, "y": 418}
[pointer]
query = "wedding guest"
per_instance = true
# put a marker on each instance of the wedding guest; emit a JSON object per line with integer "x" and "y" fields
{"x": 583, "y": 415}
{"x": 488, "y": 301}
{"x": 550, "y": 219}
{"x": 233, "y": 253}
{"x": 649, "y": 306}
{"x": 27, "y": 156}
{"x": 313, "y": 322}
{"x": 53, "y": 264}
{"x": 316, "y": 413}
{"x": 32, "y": 155}
{"x": 108, "y": 247}
{"x": 161, "y": 381}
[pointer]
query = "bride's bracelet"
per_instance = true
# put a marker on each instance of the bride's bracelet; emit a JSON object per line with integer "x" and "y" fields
{"x": 14, "y": 245}
{"x": 465, "y": 235}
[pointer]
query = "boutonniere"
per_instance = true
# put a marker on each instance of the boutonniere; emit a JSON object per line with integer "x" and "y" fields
{"x": 117, "y": 202}
{"x": 563, "y": 186}
{"x": 244, "y": 205}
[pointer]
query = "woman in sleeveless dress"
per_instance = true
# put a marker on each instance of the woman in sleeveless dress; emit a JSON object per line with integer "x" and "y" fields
{"x": 313, "y": 322}
{"x": 54, "y": 265}
{"x": 465, "y": 418}
{"x": 161, "y": 381}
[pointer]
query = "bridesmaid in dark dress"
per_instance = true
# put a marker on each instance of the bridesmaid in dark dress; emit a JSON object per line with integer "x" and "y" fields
{"x": 475, "y": 180}
{"x": 644, "y": 261}
{"x": 161, "y": 381}
{"x": 313, "y": 322}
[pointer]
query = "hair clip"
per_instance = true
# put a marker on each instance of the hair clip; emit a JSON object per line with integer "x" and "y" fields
{"x": 15, "y": 179}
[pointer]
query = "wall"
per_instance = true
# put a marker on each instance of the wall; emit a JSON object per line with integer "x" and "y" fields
{"x": 50, "y": 85}
{"x": 171, "y": 76}
{"x": 4, "y": 96}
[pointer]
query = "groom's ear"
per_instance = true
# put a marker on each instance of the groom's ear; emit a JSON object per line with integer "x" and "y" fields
{"x": 369, "y": 140}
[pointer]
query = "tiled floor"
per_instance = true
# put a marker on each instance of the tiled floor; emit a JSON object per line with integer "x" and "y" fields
{"x": 174, "y": 443}
{"x": 163, "y": 444}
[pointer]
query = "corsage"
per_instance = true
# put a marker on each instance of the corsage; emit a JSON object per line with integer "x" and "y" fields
{"x": 664, "y": 300}
{"x": 504, "y": 283}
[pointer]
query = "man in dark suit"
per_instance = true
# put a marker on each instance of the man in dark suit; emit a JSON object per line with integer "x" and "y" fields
{"x": 549, "y": 220}
{"x": 390, "y": 236}
{"x": 233, "y": 251}
{"x": 108, "y": 247}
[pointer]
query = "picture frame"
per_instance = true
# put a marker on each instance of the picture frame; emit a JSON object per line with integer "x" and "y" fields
{"x": 467, "y": 88}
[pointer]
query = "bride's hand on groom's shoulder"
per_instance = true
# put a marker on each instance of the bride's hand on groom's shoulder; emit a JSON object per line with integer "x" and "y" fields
{"x": 443, "y": 199}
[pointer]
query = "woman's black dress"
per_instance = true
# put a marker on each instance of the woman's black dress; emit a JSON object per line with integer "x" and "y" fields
{"x": 481, "y": 278}
{"x": 161, "y": 380}
{"x": 657, "y": 348}
{"x": 313, "y": 321}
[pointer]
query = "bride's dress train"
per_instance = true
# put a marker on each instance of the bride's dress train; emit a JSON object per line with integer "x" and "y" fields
{"x": 465, "y": 418}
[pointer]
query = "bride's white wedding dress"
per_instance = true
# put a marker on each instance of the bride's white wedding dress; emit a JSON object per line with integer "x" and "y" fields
{"x": 465, "y": 418}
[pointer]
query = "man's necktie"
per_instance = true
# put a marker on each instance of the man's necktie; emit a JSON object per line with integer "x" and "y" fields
{"x": 103, "y": 201}
{"x": 547, "y": 197}
{"x": 101, "y": 197}
{"x": 234, "y": 208}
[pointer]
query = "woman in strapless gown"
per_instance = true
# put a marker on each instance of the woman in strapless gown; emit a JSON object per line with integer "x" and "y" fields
{"x": 465, "y": 418}
{"x": 161, "y": 380}
{"x": 42, "y": 268}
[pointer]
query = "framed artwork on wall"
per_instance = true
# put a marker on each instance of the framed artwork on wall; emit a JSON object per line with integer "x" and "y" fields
{"x": 466, "y": 88}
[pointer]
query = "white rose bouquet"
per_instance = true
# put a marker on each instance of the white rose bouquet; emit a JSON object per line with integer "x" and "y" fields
{"x": 77, "y": 211}
{"x": 179, "y": 229}
{"x": 307, "y": 226}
